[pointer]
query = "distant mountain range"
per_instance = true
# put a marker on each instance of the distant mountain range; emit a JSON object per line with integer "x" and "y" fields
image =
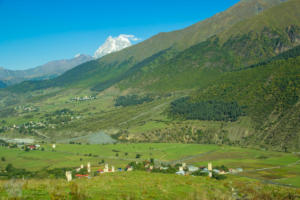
{"x": 55, "y": 68}
{"x": 49, "y": 70}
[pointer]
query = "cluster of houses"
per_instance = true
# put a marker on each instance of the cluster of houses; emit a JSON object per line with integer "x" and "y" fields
{"x": 186, "y": 170}
{"x": 23, "y": 144}
{"x": 106, "y": 169}
{"x": 30, "y": 124}
{"x": 26, "y": 108}
{"x": 183, "y": 170}
{"x": 35, "y": 125}
{"x": 85, "y": 98}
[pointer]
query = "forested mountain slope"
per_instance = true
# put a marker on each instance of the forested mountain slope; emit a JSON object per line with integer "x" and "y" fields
{"x": 224, "y": 52}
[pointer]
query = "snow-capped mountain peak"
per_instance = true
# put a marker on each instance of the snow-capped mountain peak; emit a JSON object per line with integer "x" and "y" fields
{"x": 113, "y": 44}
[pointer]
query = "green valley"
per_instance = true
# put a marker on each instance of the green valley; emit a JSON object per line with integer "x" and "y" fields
{"x": 224, "y": 91}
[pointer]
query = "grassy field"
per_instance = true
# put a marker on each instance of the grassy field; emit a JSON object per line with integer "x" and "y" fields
{"x": 269, "y": 166}
{"x": 144, "y": 185}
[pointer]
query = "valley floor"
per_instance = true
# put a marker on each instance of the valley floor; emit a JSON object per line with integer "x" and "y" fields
{"x": 278, "y": 172}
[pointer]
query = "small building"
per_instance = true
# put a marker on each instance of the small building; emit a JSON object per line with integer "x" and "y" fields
{"x": 32, "y": 147}
{"x": 128, "y": 169}
{"x": 82, "y": 175}
{"x": 233, "y": 171}
{"x": 163, "y": 168}
{"x": 205, "y": 169}
{"x": 180, "y": 172}
{"x": 239, "y": 170}
{"x": 192, "y": 168}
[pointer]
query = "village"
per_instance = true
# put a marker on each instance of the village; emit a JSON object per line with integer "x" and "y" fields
{"x": 50, "y": 121}
{"x": 85, "y": 98}
{"x": 179, "y": 169}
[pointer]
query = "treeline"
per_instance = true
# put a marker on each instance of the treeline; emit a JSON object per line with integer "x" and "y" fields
{"x": 13, "y": 172}
{"x": 205, "y": 110}
{"x": 131, "y": 100}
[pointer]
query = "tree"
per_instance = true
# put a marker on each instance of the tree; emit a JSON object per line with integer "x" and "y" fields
{"x": 9, "y": 167}
{"x": 138, "y": 156}
{"x": 3, "y": 159}
{"x": 152, "y": 160}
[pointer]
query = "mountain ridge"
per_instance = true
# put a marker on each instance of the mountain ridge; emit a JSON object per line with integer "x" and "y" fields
{"x": 49, "y": 70}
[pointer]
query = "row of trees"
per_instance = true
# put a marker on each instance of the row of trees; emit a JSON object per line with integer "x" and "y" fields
{"x": 131, "y": 100}
{"x": 205, "y": 110}
{"x": 13, "y": 172}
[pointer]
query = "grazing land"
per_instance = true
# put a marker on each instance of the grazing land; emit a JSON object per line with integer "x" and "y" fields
{"x": 264, "y": 166}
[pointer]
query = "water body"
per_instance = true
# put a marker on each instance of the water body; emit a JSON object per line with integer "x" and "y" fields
{"x": 94, "y": 138}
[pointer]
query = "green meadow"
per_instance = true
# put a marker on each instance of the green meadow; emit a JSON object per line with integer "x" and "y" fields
{"x": 274, "y": 167}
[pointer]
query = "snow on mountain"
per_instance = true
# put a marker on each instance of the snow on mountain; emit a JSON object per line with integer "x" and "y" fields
{"x": 113, "y": 44}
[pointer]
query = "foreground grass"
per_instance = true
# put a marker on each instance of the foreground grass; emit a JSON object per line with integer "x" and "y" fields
{"x": 143, "y": 185}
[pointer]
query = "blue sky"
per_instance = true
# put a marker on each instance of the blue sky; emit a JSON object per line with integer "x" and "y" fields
{"x": 33, "y": 32}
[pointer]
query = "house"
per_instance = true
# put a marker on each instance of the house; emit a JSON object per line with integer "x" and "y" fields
{"x": 82, "y": 176}
{"x": 192, "y": 168}
{"x": 205, "y": 169}
{"x": 128, "y": 169}
{"x": 233, "y": 171}
{"x": 181, "y": 172}
{"x": 32, "y": 147}
{"x": 163, "y": 168}
{"x": 239, "y": 170}
{"x": 222, "y": 172}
